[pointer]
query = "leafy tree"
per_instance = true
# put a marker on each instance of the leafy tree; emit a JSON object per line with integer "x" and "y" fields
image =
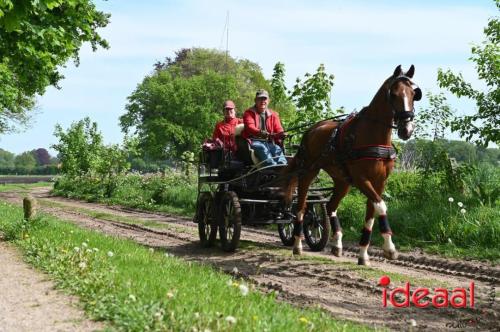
{"x": 25, "y": 161}
{"x": 174, "y": 109}
{"x": 312, "y": 97}
{"x": 42, "y": 156}
{"x": 79, "y": 147}
{"x": 6, "y": 159}
{"x": 37, "y": 38}
{"x": 484, "y": 125}
{"x": 280, "y": 99}
{"x": 433, "y": 121}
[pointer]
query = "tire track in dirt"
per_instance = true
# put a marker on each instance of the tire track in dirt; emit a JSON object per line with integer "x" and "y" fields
{"x": 330, "y": 283}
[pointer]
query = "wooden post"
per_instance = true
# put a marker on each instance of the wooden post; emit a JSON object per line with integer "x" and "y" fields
{"x": 29, "y": 206}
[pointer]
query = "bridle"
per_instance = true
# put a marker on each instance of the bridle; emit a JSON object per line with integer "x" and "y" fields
{"x": 402, "y": 115}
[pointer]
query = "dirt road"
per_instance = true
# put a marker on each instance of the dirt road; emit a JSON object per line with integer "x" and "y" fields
{"x": 337, "y": 285}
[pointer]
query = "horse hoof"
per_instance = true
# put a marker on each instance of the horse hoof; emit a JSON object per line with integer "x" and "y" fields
{"x": 336, "y": 251}
{"x": 391, "y": 255}
{"x": 297, "y": 251}
{"x": 362, "y": 261}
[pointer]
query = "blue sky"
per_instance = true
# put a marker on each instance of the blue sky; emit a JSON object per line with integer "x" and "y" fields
{"x": 360, "y": 42}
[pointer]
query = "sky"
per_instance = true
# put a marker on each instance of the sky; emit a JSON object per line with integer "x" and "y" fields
{"x": 360, "y": 42}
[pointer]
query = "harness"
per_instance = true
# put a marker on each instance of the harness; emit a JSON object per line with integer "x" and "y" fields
{"x": 341, "y": 142}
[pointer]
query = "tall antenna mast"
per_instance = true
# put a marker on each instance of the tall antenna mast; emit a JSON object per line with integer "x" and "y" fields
{"x": 227, "y": 46}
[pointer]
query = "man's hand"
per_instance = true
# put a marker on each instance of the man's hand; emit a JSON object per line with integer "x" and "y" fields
{"x": 263, "y": 134}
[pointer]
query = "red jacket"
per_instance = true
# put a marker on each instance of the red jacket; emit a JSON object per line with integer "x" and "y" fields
{"x": 251, "y": 119}
{"x": 224, "y": 131}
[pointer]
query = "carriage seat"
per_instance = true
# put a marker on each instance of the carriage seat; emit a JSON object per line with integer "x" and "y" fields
{"x": 244, "y": 151}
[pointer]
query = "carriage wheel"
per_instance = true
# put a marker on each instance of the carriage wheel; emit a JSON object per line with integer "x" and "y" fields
{"x": 286, "y": 234}
{"x": 316, "y": 226}
{"x": 230, "y": 221}
{"x": 207, "y": 227}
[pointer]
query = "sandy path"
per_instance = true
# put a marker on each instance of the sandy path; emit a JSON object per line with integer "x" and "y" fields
{"x": 28, "y": 301}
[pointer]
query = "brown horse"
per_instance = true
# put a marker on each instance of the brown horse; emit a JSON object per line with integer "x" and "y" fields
{"x": 356, "y": 152}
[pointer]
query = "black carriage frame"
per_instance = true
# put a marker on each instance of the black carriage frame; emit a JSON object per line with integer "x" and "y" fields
{"x": 232, "y": 193}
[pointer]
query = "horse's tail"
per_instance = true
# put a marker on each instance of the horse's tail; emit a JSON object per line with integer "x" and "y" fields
{"x": 290, "y": 174}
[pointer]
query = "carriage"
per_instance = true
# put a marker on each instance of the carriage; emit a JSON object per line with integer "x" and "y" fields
{"x": 233, "y": 190}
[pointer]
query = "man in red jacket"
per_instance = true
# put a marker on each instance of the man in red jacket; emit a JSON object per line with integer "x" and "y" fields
{"x": 224, "y": 130}
{"x": 264, "y": 131}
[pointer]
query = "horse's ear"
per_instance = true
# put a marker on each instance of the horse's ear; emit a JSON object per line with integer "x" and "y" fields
{"x": 398, "y": 71}
{"x": 410, "y": 71}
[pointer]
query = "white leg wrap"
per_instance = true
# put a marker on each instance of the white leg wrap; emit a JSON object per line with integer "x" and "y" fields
{"x": 388, "y": 245}
{"x": 380, "y": 208}
{"x": 298, "y": 242}
{"x": 363, "y": 253}
{"x": 337, "y": 240}
{"x": 369, "y": 224}
{"x": 300, "y": 216}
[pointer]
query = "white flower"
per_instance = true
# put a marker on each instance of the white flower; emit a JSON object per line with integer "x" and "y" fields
{"x": 84, "y": 245}
{"x": 460, "y": 204}
{"x": 231, "y": 320}
{"x": 170, "y": 295}
{"x": 450, "y": 199}
{"x": 82, "y": 265}
{"x": 196, "y": 315}
{"x": 110, "y": 254}
{"x": 463, "y": 211}
{"x": 151, "y": 250}
{"x": 235, "y": 270}
{"x": 244, "y": 290}
{"x": 229, "y": 283}
{"x": 450, "y": 241}
{"x": 89, "y": 251}
{"x": 413, "y": 322}
{"x": 76, "y": 249}
{"x": 95, "y": 250}
{"x": 132, "y": 297}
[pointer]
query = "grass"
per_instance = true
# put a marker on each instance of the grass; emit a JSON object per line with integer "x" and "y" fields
{"x": 134, "y": 288}
{"x": 23, "y": 187}
{"x": 113, "y": 217}
{"x": 432, "y": 224}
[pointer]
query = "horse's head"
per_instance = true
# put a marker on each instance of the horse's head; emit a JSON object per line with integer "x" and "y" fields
{"x": 402, "y": 92}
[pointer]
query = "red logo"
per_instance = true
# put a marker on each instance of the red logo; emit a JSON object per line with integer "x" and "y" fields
{"x": 439, "y": 297}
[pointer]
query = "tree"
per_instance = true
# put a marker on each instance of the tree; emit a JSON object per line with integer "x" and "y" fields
{"x": 176, "y": 107}
{"x": 433, "y": 121}
{"x": 6, "y": 159}
{"x": 25, "y": 161}
{"x": 37, "y": 38}
{"x": 280, "y": 96}
{"x": 312, "y": 97}
{"x": 484, "y": 125}
{"x": 79, "y": 147}
{"x": 42, "y": 156}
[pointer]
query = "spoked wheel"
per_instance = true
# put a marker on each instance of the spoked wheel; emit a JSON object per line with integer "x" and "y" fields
{"x": 316, "y": 226}
{"x": 230, "y": 221}
{"x": 286, "y": 233}
{"x": 207, "y": 227}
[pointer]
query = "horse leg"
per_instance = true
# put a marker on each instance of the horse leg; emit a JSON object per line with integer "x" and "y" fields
{"x": 373, "y": 193}
{"x": 375, "y": 203}
{"x": 298, "y": 225}
{"x": 339, "y": 191}
{"x": 366, "y": 234}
